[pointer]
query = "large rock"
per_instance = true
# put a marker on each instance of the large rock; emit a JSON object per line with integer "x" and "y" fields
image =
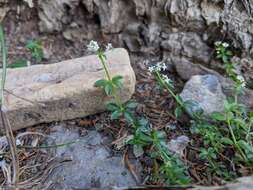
{"x": 186, "y": 69}
{"x": 206, "y": 91}
{"x": 62, "y": 91}
{"x": 92, "y": 165}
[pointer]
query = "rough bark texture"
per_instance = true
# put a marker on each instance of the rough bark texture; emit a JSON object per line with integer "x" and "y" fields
{"x": 176, "y": 28}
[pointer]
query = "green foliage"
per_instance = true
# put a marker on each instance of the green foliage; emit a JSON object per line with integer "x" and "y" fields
{"x": 172, "y": 170}
{"x": 19, "y": 63}
{"x": 222, "y": 133}
{"x": 36, "y": 49}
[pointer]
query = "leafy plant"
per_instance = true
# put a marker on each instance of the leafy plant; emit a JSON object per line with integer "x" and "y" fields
{"x": 19, "y": 63}
{"x": 36, "y": 49}
{"x": 222, "y": 133}
{"x": 172, "y": 171}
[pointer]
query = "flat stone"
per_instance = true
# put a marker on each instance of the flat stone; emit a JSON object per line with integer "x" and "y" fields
{"x": 63, "y": 91}
{"x": 92, "y": 165}
{"x": 206, "y": 91}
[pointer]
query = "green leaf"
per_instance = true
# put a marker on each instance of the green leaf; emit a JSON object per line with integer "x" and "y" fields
{"x": 218, "y": 116}
{"x": 112, "y": 107}
{"x": 131, "y": 104}
{"x": 160, "y": 134}
{"x": 116, "y": 114}
{"x": 129, "y": 117}
{"x": 36, "y": 49}
{"x": 117, "y": 81}
{"x": 192, "y": 107}
{"x": 138, "y": 151}
{"x": 178, "y": 112}
{"x": 108, "y": 89}
{"x": 227, "y": 141}
{"x": 145, "y": 137}
{"x": 101, "y": 83}
{"x": 19, "y": 63}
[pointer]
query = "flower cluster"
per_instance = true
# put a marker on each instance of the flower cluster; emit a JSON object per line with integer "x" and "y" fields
{"x": 109, "y": 47}
{"x": 241, "y": 80}
{"x": 93, "y": 46}
{"x": 167, "y": 80}
{"x": 223, "y": 44}
{"x": 158, "y": 67}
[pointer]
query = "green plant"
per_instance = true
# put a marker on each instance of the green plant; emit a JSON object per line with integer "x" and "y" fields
{"x": 19, "y": 63}
{"x": 36, "y": 49}
{"x": 223, "y": 133}
{"x": 190, "y": 107}
{"x": 172, "y": 171}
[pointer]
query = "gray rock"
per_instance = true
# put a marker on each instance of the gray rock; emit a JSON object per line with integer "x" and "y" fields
{"x": 188, "y": 44}
{"x": 63, "y": 91}
{"x": 92, "y": 164}
{"x": 178, "y": 144}
{"x": 186, "y": 69}
{"x": 206, "y": 91}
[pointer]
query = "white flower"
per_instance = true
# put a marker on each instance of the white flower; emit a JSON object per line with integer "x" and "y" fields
{"x": 93, "y": 46}
{"x": 151, "y": 69}
{"x": 241, "y": 79}
{"x": 163, "y": 66}
{"x": 167, "y": 80}
{"x": 158, "y": 67}
{"x": 109, "y": 47}
{"x": 224, "y": 44}
{"x": 218, "y": 43}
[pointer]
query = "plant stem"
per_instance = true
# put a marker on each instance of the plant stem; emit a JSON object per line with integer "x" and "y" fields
{"x": 101, "y": 57}
{"x": 107, "y": 73}
{"x": 4, "y": 64}
{"x": 161, "y": 81}
{"x": 235, "y": 141}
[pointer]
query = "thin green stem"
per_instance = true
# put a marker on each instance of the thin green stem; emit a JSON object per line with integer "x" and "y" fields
{"x": 107, "y": 73}
{"x": 4, "y": 64}
{"x": 102, "y": 59}
{"x": 235, "y": 141}
{"x": 50, "y": 146}
{"x": 161, "y": 81}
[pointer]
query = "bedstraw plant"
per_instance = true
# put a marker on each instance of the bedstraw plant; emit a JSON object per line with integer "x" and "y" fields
{"x": 171, "y": 169}
{"x": 227, "y": 137}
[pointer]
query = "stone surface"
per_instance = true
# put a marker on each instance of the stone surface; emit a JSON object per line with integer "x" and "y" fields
{"x": 206, "y": 91}
{"x": 178, "y": 144}
{"x": 92, "y": 165}
{"x": 62, "y": 91}
{"x": 187, "y": 69}
{"x": 183, "y": 28}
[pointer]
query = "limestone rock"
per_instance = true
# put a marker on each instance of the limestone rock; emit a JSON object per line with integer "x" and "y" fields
{"x": 188, "y": 44}
{"x": 62, "y": 91}
{"x": 186, "y": 69}
{"x": 92, "y": 165}
{"x": 206, "y": 91}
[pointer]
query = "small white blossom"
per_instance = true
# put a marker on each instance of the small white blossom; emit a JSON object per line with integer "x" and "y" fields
{"x": 158, "y": 67}
{"x": 93, "y": 46}
{"x": 241, "y": 79}
{"x": 167, "y": 80}
{"x": 109, "y": 47}
{"x": 224, "y": 44}
{"x": 218, "y": 43}
{"x": 151, "y": 69}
